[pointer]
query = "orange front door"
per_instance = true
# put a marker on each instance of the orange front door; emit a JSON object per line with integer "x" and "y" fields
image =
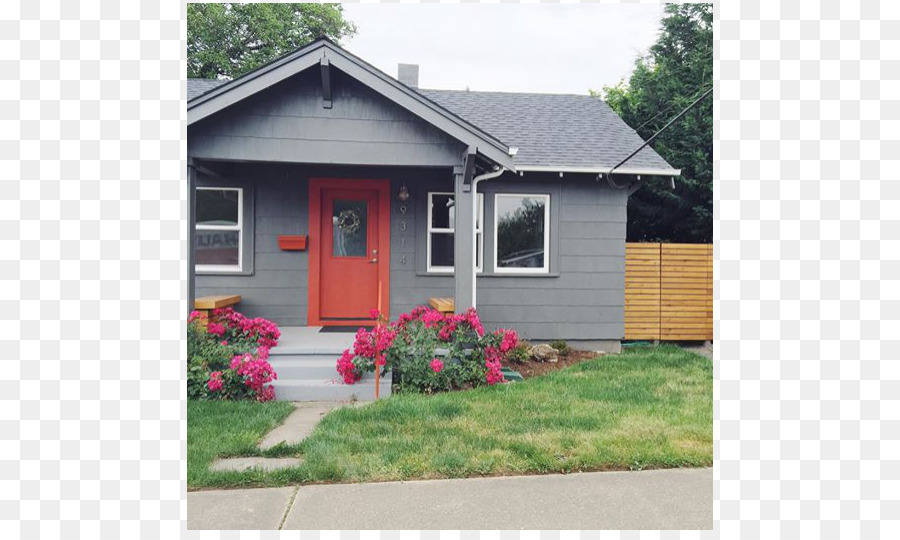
{"x": 349, "y": 251}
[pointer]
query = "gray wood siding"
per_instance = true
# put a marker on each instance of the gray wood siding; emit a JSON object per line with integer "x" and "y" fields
{"x": 287, "y": 123}
{"x": 276, "y": 288}
{"x": 582, "y": 298}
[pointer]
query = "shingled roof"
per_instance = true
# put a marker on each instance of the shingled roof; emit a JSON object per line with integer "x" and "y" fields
{"x": 557, "y": 132}
{"x": 197, "y": 87}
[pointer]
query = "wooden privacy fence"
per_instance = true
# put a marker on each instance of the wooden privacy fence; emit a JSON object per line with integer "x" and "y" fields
{"x": 668, "y": 291}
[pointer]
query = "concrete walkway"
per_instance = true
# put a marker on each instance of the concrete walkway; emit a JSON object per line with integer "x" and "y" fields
{"x": 296, "y": 427}
{"x": 665, "y": 499}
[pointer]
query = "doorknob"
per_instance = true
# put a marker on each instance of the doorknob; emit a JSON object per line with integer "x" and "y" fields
{"x": 373, "y": 261}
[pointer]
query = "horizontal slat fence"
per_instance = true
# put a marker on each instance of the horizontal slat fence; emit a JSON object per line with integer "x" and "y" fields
{"x": 668, "y": 291}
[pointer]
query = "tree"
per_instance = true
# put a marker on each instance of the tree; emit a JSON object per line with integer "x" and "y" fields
{"x": 229, "y": 39}
{"x": 677, "y": 69}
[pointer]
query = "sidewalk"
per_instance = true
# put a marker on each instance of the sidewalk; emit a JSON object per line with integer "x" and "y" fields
{"x": 664, "y": 499}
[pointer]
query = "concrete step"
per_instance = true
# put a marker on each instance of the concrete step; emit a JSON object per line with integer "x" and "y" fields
{"x": 305, "y": 366}
{"x": 306, "y": 349}
{"x": 330, "y": 389}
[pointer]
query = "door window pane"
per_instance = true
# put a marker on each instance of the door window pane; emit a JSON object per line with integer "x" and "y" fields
{"x": 349, "y": 228}
{"x": 521, "y": 231}
{"x": 219, "y": 248}
{"x": 217, "y": 207}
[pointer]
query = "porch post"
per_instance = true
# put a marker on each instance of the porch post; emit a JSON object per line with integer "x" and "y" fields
{"x": 464, "y": 237}
{"x": 191, "y": 224}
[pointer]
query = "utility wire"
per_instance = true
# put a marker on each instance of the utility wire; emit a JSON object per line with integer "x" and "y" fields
{"x": 669, "y": 123}
{"x": 696, "y": 92}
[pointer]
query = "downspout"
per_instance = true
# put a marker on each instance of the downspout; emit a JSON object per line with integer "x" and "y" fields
{"x": 486, "y": 176}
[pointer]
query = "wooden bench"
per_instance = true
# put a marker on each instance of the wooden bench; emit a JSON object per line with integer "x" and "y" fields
{"x": 206, "y": 304}
{"x": 444, "y": 305}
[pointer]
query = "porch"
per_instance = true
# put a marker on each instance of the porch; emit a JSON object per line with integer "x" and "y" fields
{"x": 305, "y": 360}
{"x": 309, "y": 340}
{"x": 332, "y": 277}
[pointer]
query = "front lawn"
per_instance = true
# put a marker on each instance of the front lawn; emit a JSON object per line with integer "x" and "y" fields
{"x": 225, "y": 429}
{"x": 650, "y": 407}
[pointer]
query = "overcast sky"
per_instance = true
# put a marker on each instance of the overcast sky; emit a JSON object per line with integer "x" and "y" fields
{"x": 549, "y": 48}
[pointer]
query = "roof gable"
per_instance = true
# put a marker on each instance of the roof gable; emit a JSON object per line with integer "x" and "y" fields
{"x": 222, "y": 96}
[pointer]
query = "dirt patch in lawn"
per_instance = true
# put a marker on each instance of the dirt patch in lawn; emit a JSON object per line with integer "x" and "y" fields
{"x": 533, "y": 368}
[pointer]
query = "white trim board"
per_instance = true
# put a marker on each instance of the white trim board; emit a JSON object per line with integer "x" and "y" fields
{"x": 222, "y": 268}
{"x": 449, "y": 270}
{"x": 507, "y": 270}
{"x": 597, "y": 170}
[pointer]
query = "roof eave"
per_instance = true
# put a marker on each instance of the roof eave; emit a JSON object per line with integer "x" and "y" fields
{"x": 599, "y": 170}
{"x": 304, "y": 58}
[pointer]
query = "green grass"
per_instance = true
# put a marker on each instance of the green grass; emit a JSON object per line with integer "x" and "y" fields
{"x": 226, "y": 429}
{"x": 650, "y": 407}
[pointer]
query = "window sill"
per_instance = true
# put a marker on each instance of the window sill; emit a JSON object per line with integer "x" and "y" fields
{"x": 491, "y": 275}
{"x": 223, "y": 272}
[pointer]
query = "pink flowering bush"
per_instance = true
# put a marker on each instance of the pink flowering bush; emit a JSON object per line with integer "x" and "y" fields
{"x": 228, "y": 359}
{"x": 237, "y": 328}
{"x": 409, "y": 347}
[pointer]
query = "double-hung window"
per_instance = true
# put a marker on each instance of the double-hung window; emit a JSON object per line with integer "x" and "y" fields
{"x": 441, "y": 229}
{"x": 219, "y": 234}
{"x": 521, "y": 233}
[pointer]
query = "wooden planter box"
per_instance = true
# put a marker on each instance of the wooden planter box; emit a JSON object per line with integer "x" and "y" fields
{"x": 207, "y": 304}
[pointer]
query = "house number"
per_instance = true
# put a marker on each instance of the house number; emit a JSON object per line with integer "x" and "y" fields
{"x": 403, "y": 225}
{"x": 402, "y": 208}
{"x": 403, "y": 259}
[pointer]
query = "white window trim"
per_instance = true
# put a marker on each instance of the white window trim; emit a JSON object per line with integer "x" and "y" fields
{"x": 429, "y": 230}
{"x": 239, "y": 228}
{"x": 546, "y": 268}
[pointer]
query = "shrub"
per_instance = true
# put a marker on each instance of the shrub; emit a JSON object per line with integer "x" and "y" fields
{"x": 229, "y": 359}
{"x": 430, "y": 352}
{"x": 560, "y": 345}
{"x": 235, "y": 328}
{"x": 521, "y": 353}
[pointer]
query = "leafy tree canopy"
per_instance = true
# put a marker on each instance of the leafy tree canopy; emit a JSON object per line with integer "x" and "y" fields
{"x": 677, "y": 69}
{"x": 230, "y": 39}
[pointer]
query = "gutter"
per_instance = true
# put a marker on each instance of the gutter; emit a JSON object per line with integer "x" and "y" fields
{"x": 475, "y": 181}
{"x": 597, "y": 170}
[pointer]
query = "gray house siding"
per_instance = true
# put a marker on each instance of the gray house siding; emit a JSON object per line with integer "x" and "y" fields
{"x": 582, "y": 298}
{"x": 275, "y": 287}
{"x": 288, "y": 123}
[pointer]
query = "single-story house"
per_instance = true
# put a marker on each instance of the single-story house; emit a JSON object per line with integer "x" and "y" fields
{"x": 319, "y": 184}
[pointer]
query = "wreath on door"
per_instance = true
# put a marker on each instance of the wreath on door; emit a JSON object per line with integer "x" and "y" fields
{"x": 348, "y": 221}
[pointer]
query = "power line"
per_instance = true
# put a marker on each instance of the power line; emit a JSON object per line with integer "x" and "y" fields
{"x": 669, "y": 123}
{"x": 667, "y": 109}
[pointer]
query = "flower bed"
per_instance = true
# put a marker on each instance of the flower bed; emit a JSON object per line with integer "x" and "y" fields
{"x": 228, "y": 359}
{"x": 429, "y": 352}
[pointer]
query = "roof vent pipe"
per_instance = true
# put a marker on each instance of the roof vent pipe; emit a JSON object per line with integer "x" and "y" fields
{"x": 408, "y": 74}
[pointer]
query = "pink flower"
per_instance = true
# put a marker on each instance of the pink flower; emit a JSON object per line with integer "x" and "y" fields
{"x": 494, "y": 375}
{"x": 215, "y": 329}
{"x": 194, "y": 315}
{"x": 215, "y": 381}
{"x": 432, "y": 318}
{"x": 375, "y": 314}
{"x": 347, "y": 369}
{"x": 471, "y": 317}
{"x": 266, "y": 394}
{"x": 437, "y": 365}
{"x": 510, "y": 340}
{"x": 224, "y": 343}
